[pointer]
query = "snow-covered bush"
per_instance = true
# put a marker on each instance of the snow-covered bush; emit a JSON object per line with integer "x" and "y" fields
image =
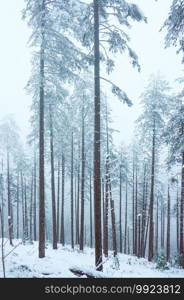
{"x": 161, "y": 262}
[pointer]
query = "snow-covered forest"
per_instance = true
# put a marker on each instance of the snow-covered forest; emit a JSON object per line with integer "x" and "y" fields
{"x": 83, "y": 194}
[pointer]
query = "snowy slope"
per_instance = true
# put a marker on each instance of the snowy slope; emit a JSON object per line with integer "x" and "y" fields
{"x": 24, "y": 262}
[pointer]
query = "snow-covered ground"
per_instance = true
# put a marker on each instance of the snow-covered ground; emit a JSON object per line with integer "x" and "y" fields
{"x": 24, "y": 262}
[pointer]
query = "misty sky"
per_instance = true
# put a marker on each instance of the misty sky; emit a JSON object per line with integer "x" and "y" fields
{"x": 147, "y": 41}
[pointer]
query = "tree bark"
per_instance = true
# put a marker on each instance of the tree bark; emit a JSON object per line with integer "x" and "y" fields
{"x": 106, "y": 208}
{"x": 168, "y": 225}
{"x": 23, "y": 211}
{"x": 126, "y": 214}
{"x": 113, "y": 220}
{"x": 35, "y": 201}
{"x": 81, "y": 245}
{"x": 18, "y": 205}
{"x": 53, "y": 194}
{"x": 182, "y": 213}
{"x": 144, "y": 204}
{"x": 151, "y": 227}
{"x": 133, "y": 209}
{"x": 10, "y": 221}
{"x": 41, "y": 140}
{"x": 120, "y": 210}
{"x": 91, "y": 215}
{"x": 97, "y": 130}
{"x": 78, "y": 197}
{"x": 72, "y": 222}
{"x": 31, "y": 210}
{"x": 58, "y": 199}
{"x": 177, "y": 219}
{"x": 136, "y": 208}
{"x": 62, "y": 231}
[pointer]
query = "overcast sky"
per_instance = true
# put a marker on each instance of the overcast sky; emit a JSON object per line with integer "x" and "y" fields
{"x": 147, "y": 41}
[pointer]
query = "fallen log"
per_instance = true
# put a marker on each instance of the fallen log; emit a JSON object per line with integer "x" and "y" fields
{"x": 89, "y": 274}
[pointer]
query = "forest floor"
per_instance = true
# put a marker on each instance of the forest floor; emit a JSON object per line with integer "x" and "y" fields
{"x": 23, "y": 262}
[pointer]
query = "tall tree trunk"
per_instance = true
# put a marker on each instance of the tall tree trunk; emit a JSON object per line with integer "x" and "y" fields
{"x": 146, "y": 237}
{"x": 113, "y": 220}
{"x": 97, "y": 131}
{"x": 139, "y": 236}
{"x": 151, "y": 227}
{"x": 168, "y": 224}
{"x": 182, "y": 213}
{"x": 82, "y": 185}
{"x": 18, "y": 205}
{"x": 23, "y": 211}
{"x": 106, "y": 208}
{"x": 133, "y": 208}
{"x": 10, "y": 221}
{"x": 62, "y": 231}
{"x": 126, "y": 214}
{"x": 91, "y": 215}
{"x": 35, "y": 201}
{"x": 54, "y": 229}
{"x": 2, "y": 241}
{"x": 78, "y": 197}
{"x": 2, "y": 203}
{"x": 128, "y": 238}
{"x": 41, "y": 140}
{"x": 144, "y": 204}
{"x": 162, "y": 225}
{"x": 177, "y": 219}
{"x": 156, "y": 236}
{"x": 120, "y": 210}
{"x": 31, "y": 210}
{"x": 72, "y": 222}
{"x": 58, "y": 199}
{"x": 136, "y": 209}
{"x": 26, "y": 211}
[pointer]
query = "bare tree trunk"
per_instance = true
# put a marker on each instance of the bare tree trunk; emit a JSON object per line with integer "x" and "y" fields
{"x": 139, "y": 236}
{"x": 151, "y": 229}
{"x": 114, "y": 241}
{"x": 31, "y": 210}
{"x": 23, "y": 211}
{"x": 58, "y": 199}
{"x": 53, "y": 194}
{"x": 182, "y": 214}
{"x": 62, "y": 231}
{"x": 177, "y": 219}
{"x": 168, "y": 225}
{"x": 120, "y": 210}
{"x": 136, "y": 208}
{"x": 35, "y": 200}
{"x": 78, "y": 197}
{"x": 2, "y": 241}
{"x": 91, "y": 216}
{"x": 106, "y": 208}
{"x": 128, "y": 238}
{"x": 156, "y": 235}
{"x": 133, "y": 209}
{"x": 162, "y": 225}
{"x": 18, "y": 205}
{"x": 126, "y": 213}
{"x": 26, "y": 211}
{"x": 82, "y": 185}
{"x": 72, "y": 222}
{"x": 10, "y": 221}
{"x": 144, "y": 204}
{"x": 41, "y": 140}
{"x": 97, "y": 131}
{"x": 146, "y": 237}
